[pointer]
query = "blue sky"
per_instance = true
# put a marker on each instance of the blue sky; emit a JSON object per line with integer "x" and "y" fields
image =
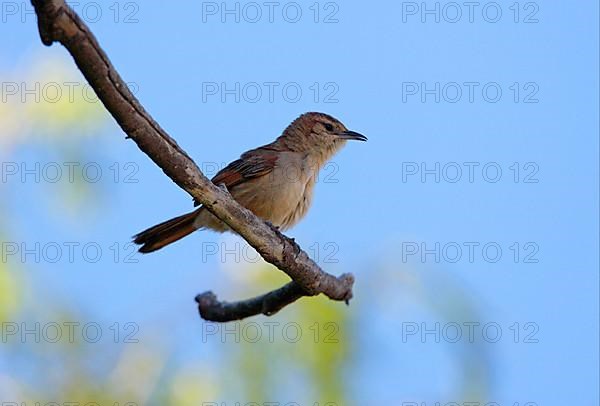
{"x": 377, "y": 73}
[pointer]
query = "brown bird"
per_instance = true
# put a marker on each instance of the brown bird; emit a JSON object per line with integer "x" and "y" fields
{"x": 274, "y": 181}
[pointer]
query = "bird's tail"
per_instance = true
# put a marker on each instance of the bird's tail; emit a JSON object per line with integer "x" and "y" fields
{"x": 166, "y": 233}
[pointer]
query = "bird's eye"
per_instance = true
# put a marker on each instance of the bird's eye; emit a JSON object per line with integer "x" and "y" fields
{"x": 328, "y": 127}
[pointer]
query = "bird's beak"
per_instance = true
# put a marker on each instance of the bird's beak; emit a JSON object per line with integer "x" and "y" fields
{"x": 352, "y": 135}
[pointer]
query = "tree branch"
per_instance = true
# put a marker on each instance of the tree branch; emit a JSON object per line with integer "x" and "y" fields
{"x": 267, "y": 304}
{"x": 58, "y": 22}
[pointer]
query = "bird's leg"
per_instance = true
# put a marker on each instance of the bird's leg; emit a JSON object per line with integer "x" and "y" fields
{"x": 273, "y": 226}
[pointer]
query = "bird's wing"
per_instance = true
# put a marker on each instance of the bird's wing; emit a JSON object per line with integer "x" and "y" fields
{"x": 252, "y": 164}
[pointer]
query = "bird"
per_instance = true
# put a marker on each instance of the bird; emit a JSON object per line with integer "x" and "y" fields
{"x": 274, "y": 181}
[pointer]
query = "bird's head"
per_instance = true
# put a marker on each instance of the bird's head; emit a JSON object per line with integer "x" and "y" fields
{"x": 319, "y": 134}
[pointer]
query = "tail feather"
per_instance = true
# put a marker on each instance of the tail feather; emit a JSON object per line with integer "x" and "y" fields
{"x": 165, "y": 233}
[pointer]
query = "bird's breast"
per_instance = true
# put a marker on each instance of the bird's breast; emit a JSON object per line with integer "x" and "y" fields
{"x": 283, "y": 196}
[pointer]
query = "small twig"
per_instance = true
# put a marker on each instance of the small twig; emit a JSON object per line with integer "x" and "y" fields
{"x": 58, "y": 22}
{"x": 212, "y": 309}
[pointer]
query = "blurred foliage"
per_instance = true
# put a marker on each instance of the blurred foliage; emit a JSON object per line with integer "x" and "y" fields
{"x": 47, "y": 104}
{"x": 319, "y": 355}
{"x": 47, "y": 100}
{"x": 9, "y": 288}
